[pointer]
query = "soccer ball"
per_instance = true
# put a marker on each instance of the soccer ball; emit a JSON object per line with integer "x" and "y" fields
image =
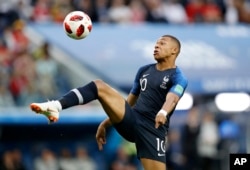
{"x": 77, "y": 25}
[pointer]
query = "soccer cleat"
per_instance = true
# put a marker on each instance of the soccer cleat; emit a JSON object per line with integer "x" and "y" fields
{"x": 48, "y": 109}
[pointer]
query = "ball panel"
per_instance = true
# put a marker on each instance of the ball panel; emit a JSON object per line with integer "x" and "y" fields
{"x": 90, "y": 28}
{"x": 76, "y": 18}
{"x": 67, "y": 28}
{"x": 80, "y": 31}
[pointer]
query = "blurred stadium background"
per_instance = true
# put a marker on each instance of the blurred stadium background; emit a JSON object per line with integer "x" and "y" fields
{"x": 39, "y": 62}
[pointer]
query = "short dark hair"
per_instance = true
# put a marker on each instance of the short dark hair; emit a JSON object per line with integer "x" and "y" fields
{"x": 176, "y": 40}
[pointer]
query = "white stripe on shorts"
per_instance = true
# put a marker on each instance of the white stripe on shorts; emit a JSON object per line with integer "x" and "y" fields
{"x": 79, "y": 96}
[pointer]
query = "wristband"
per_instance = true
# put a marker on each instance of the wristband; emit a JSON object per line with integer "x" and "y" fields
{"x": 164, "y": 112}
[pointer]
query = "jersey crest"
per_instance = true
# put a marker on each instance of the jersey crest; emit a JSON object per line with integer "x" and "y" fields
{"x": 164, "y": 82}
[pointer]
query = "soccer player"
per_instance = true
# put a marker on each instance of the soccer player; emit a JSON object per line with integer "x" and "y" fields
{"x": 144, "y": 117}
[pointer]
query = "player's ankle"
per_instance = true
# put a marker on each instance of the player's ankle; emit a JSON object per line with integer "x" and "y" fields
{"x": 58, "y": 105}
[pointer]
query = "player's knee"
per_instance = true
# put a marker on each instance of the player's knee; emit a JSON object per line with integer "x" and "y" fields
{"x": 101, "y": 85}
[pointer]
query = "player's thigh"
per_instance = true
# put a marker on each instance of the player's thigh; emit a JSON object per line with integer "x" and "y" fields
{"x": 149, "y": 164}
{"x": 112, "y": 101}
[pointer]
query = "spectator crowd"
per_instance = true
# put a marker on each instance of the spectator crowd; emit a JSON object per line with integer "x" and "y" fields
{"x": 132, "y": 11}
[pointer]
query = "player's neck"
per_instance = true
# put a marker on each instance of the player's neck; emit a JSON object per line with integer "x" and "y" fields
{"x": 165, "y": 65}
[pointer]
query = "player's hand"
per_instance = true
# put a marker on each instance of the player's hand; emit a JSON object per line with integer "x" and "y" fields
{"x": 101, "y": 136}
{"x": 160, "y": 119}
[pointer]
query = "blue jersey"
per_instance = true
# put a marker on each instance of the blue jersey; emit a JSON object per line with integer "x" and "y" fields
{"x": 138, "y": 125}
{"x": 151, "y": 86}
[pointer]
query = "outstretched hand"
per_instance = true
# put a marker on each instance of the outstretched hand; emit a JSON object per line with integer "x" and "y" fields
{"x": 101, "y": 136}
{"x": 160, "y": 119}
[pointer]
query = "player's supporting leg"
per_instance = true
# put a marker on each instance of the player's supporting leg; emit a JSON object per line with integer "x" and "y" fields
{"x": 149, "y": 164}
{"x": 112, "y": 102}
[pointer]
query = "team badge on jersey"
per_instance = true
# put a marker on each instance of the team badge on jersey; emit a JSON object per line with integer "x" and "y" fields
{"x": 164, "y": 82}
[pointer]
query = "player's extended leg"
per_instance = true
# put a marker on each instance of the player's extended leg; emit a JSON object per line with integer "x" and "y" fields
{"x": 149, "y": 164}
{"x": 113, "y": 103}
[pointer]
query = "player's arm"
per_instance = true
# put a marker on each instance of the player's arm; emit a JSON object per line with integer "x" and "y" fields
{"x": 131, "y": 99}
{"x": 172, "y": 98}
{"x": 171, "y": 101}
{"x": 101, "y": 133}
{"x": 169, "y": 105}
{"x": 136, "y": 88}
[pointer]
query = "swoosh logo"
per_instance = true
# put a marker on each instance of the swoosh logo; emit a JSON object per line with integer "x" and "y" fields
{"x": 145, "y": 75}
{"x": 161, "y": 154}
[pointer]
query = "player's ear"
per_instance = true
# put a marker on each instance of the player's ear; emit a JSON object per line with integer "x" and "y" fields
{"x": 174, "y": 50}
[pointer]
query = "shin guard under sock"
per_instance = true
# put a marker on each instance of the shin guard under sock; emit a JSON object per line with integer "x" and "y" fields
{"x": 80, "y": 95}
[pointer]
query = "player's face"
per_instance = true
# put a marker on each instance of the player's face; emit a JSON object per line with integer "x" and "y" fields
{"x": 163, "y": 48}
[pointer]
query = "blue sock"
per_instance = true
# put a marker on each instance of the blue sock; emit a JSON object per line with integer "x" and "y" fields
{"x": 80, "y": 95}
